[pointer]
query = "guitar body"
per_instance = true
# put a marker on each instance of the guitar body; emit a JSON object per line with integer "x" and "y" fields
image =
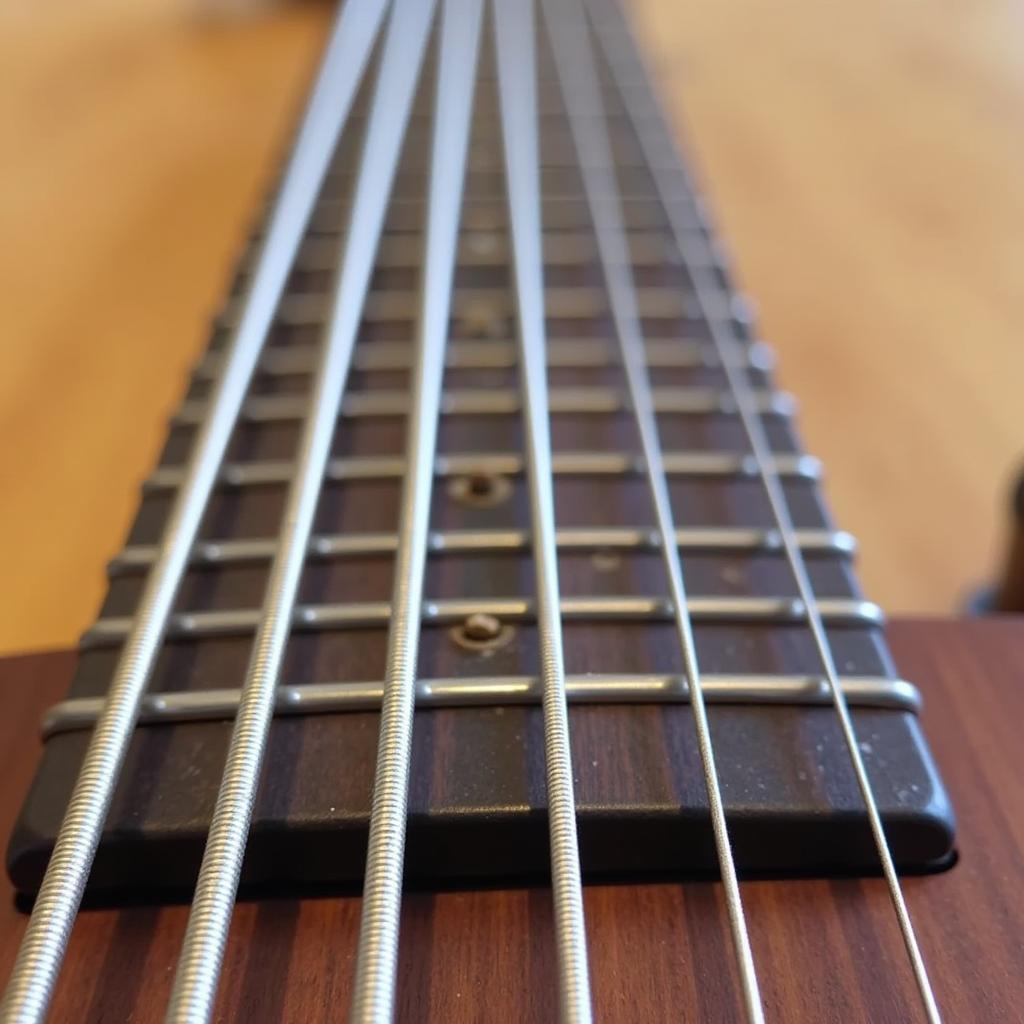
{"x": 829, "y": 950}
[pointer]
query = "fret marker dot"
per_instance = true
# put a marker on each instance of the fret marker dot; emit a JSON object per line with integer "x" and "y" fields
{"x": 482, "y": 243}
{"x": 606, "y": 560}
{"x": 482, "y": 633}
{"x": 481, "y": 626}
{"x": 480, "y": 489}
{"x": 483, "y": 320}
{"x": 480, "y": 485}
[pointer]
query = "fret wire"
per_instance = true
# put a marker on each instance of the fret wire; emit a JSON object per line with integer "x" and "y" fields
{"x": 688, "y": 463}
{"x": 237, "y": 551}
{"x": 484, "y": 179}
{"x": 570, "y": 38}
{"x": 575, "y": 353}
{"x": 307, "y": 308}
{"x": 497, "y": 401}
{"x": 195, "y": 982}
{"x": 561, "y": 249}
{"x": 355, "y": 614}
{"x": 647, "y": 201}
{"x": 550, "y": 120}
{"x": 482, "y": 163}
{"x": 562, "y": 214}
{"x": 377, "y": 959}
{"x": 722, "y": 337}
{"x": 514, "y": 45}
{"x": 41, "y": 953}
{"x": 78, "y": 713}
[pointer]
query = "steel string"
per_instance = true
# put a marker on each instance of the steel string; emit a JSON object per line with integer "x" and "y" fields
{"x": 723, "y": 339}
{"x": 517, "y": 92}
{"x": 42, "y": 950}
{"x": 570, "y": 37}
{"x": 377, "y": 960}
{"x": 195, "y": 983}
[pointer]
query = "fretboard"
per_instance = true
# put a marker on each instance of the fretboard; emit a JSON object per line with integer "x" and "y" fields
{"x": 745, "y": 605}
{"x": 475, "y": 441}
{"x": 736, "y": 569}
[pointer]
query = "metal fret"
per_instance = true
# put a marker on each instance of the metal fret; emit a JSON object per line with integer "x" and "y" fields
{"x": 306, "y": 309}
{"x": 550, "y": 116}
{"x": 838, "y": 611}
{"x": 636, "y": 100}
{"x": 377, "y": 960}
{"x": 570, "y": 463}
{"x": 579, "y": 353}
{"x": 195, "y": 982}
{"x": 570, "y": 38}
{"x": 652, "y": 688}
{"x": 496, "y": 402}
{"x": 488, "y": 249}
{"x": 559, "y": 213}
{"x": 554, "y": 156}
{"x": 39, "y": 959}
{"x": 234, "y": 551}
{"x": 514, "y": 43}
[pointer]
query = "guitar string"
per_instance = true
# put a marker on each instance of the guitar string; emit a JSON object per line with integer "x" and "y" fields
{"x": 377, "y": 958}
{"x": 723, "y": 338}
{"x": 41, "y": 954}
{"x": 195, "y": 983}
{"x": 514, "y": 36}
{"x": 574, "y": 57}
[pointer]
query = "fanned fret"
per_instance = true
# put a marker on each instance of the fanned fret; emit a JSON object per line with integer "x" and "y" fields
{"x": 483, "y": 431}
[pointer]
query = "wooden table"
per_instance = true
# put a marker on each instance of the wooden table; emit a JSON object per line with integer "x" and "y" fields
{"x": 865, "y": 159}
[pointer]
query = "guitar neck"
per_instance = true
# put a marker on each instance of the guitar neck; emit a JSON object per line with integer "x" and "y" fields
{"x": 484, "y": 432}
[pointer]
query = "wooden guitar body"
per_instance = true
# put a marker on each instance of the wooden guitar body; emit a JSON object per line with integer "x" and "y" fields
{"x": 829, "y": 950}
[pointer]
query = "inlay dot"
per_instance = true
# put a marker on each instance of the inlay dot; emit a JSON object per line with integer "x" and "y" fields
{"x": 482, "y": 243}
{"x": 481, "y": 632}
{"x": 480, "y": 489}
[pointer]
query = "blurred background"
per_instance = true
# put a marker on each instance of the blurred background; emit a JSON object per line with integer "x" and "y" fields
{"x": 865, "y": 159}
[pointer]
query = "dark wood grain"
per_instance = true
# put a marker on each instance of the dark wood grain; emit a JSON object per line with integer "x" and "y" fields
{"x": 477, "y": 803}
{"x": 827, "y": 950}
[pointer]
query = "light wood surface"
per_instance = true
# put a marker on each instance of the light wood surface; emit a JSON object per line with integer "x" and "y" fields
{"x": 864, "y": 158}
